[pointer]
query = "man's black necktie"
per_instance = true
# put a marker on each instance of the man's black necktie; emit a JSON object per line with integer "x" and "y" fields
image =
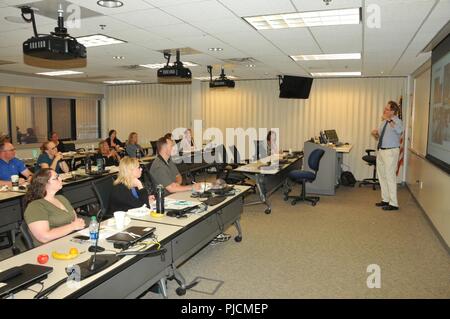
{"x": 380, "y": 139}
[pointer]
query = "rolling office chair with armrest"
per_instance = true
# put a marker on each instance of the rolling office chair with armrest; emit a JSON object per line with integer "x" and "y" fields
{"x": 302, "y": 177}
{"x": 154, "y": 147}
{"x": 102, "y": 189}
{"x": 26, "y": 238}
{"x": 371, "y": 160}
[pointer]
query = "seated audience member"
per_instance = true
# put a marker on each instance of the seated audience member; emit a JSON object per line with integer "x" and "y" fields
{"x": 132, "y": 146}
{"x": 128, "y": 191}
{"x": 51, "y": 158}
{"x": 187, "y": 143}
{"x": 30, "y": 137}
{"x": 169, "y": 136}
{"x": 10, "y": 165}
{"x": 55, "y": 139}
{"x": 272, "y": 147}
{"x": 114, "y": 142}
{"x": 164, "y": 172}
{"x": 4, "y": 138}
{"x": 49, "y": 216}
{"x": 110, "y": 156}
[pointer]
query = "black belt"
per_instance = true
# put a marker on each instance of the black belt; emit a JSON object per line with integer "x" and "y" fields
{"x": 388, "y": 148}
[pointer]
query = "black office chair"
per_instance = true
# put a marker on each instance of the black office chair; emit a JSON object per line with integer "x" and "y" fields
{"x": 102, "y": 189}
{"x": 302, "y": 177}
{"x": 69, "y": 147}
{"x": 154, "y": 148}
{"x": 371, "y": 160}
{"x": 26, "y": 236}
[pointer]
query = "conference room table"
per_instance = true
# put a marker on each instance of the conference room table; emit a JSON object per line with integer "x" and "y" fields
{"x": 132, "y": 276}
{"x": 77, "y": 188}
{"x": 269, "y": 178}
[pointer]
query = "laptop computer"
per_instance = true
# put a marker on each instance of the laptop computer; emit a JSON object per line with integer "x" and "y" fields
{"x": 131, "y": 235}
{"x": 18, "y": 278}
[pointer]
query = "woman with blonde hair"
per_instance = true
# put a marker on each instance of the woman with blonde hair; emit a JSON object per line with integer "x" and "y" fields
{"x": 109, "y": 156}
{"x": 128, "y": 191}
{"x": 133, "y": 148}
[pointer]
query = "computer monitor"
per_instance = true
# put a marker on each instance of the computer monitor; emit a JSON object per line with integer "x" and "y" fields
{"x": 331, "y": 136}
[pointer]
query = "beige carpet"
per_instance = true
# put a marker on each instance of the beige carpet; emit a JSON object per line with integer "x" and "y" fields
{"x": 323, "y": 252}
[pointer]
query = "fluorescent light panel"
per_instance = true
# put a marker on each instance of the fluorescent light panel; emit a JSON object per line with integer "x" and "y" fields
{"x": 160, "y": 65}
{"x": 305, "y": 19}
{"x": 97, "y": 40}
{"x": 121, "y": 82}
{"x": 58, "y": 73}
{"x": 336, "y": 74}
{"x": 317, "y": 57}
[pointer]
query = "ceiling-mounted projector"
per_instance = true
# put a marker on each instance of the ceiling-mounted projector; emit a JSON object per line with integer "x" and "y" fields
{"x": 57, "y": 50}
{"x": 174, "y": 74}
{"x": 221, "y": 82}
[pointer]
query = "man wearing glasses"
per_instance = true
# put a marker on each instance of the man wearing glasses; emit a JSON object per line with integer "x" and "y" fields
{"x": 10, "y": 165}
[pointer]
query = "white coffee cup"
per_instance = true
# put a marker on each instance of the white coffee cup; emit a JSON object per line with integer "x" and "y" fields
{"x": 120, "y": 219}
{"x": 15, "y": 182}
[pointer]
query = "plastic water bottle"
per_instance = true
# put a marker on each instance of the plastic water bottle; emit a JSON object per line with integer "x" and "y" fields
{"x": 138, "y": 154}
{"x": 160, "y": 199}
{"x": 93, "y": 230}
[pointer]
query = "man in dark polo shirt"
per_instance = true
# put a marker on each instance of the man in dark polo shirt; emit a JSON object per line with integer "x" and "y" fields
{"x": 164, "y": 172}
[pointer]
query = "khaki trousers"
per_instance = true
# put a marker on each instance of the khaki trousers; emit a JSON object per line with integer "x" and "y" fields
{"x": 386, "y": 169}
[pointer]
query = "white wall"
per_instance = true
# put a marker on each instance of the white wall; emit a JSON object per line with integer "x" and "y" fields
{"x": 428, "y": 184}
{"x": 151, "y": 110}
{"x": 351, "y": 106}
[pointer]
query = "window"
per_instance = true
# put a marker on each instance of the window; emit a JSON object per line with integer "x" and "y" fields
{"x": 30, "y": 119}
{"x": 62, "y": 118}
{"x": 4, "y": 129}
{"x": 87, "y": 119}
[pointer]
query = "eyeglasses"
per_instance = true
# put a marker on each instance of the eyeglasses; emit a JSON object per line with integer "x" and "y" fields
{"x": 11, "y": 150}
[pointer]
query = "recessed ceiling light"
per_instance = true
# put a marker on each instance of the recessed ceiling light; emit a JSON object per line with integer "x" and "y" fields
{"x": 305, "y": 19}
{"x": 121, "y": 82}
{"x": 250, "y": 65}
{"x": 110, "y": 3}
{"x": 96, "y": 40}
{"x": 58, "y": 73}
{"x": 215, "y": 49}
{"x": 336, "y": 74}
{"x": 118, "y": 57}
{"x": 160, "y": 65}
{"x": 339, "y": 56}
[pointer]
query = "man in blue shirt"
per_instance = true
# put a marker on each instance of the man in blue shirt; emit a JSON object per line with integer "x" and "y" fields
{"x": 10, "y": 165}
{"x": 388, "y": 135}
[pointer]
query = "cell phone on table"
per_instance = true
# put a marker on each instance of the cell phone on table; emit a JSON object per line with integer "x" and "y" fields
{"x": 80, "y": 239}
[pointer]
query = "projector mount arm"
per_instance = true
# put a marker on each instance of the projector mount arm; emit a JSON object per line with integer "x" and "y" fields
{"x": 60, "y": 30}
{"x": 209, "y": 68}
{"x": 167, "y": 56}
{"x": 27, "y": 10}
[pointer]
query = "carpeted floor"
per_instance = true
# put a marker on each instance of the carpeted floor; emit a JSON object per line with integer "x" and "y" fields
{"x": 324, "y": 251}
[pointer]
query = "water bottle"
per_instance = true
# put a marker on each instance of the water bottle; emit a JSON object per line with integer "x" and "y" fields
{"x": 138, "y": 154}
{"x": 93, "y": 230}
{"x": 87, "y": 166}
{"x": 100, "y": 165}
{"x": 160, "y": 199}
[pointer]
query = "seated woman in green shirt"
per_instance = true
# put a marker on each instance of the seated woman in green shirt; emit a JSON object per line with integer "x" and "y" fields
{"x": 49, "y": 216}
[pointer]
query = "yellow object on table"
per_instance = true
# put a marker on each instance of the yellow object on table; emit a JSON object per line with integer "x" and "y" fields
{"x": 155, "y": 214}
